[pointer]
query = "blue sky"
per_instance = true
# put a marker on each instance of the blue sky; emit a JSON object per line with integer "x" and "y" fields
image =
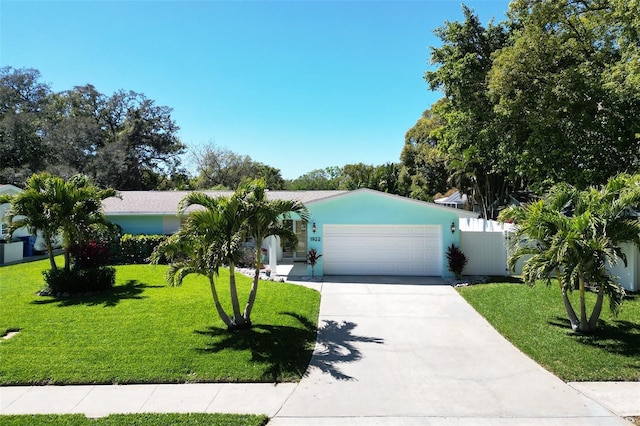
{"x": 297, "y": 85}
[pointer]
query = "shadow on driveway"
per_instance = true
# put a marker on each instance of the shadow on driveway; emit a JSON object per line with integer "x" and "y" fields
{"x": 335, "y": 346}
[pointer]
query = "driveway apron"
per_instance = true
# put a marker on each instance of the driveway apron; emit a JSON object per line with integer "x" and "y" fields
{"x": 395, "y": 353}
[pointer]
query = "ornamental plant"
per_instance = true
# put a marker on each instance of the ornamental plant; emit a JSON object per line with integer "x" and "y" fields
{"x": 312, "y": 259}
{"x": 457, "y": 260}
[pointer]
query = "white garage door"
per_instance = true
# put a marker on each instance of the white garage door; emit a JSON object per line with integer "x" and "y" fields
{"x": 382, "y": 250}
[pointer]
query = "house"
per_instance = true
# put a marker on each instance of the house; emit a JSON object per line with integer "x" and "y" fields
{"x": 362, "y": 232}
{"x": 455, "y": 200}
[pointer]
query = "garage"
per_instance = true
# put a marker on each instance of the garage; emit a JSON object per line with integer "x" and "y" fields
{"x": 383, "y": 250}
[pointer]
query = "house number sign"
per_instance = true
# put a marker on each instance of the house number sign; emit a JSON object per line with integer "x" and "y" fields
{"x": 315, "y": 238}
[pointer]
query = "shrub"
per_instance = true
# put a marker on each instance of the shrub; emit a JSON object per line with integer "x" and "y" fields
{"x": 136, "y": 249}
{"x": 247, "y": 257}
{"x": 79, "y": 280}
{"x": 90, "y": 255}
{"x": 457, "y": 260}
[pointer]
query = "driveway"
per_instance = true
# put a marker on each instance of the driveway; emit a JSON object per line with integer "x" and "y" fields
{"x": 392, "y": 352}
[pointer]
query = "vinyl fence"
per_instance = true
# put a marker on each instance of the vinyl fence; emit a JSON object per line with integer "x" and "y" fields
{"x": 485, "y": 244}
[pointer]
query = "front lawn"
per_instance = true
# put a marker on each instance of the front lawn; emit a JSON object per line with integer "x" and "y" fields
{"x": 136, "y": 419}
{"x": 146, "y": 332}
{"x": 534, "y": 320}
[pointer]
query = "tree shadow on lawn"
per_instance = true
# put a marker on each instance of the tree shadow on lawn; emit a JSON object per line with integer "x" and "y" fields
{"x": 616, "y": 336}
{"x": 132, "y": 289}
{"x": 286, "y": 349}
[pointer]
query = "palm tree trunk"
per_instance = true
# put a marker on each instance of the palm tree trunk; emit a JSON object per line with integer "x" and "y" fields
{"x": 571, "y": 313}
{"x": 233, "y": 290}
{"x": 597, "y": 308}
{"x": 52, "y": 259}
{"x": 216, "y": 301}
{"x": 254, "y": 290}
{"x": 67, "y": 259}
{"x": 584, "y": 324}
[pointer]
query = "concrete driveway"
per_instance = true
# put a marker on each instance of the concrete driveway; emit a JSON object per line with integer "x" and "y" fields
{"x": 392, "y": 352}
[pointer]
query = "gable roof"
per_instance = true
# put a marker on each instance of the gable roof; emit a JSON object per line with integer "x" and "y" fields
{"x": 166, "y": 202}
{"x": 459, "y": 212}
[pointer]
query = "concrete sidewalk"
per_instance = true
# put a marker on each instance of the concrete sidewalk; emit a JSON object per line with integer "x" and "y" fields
{"x": 388, "y": 353}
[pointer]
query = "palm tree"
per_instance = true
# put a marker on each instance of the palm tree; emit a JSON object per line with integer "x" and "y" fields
{"x": 574, "y": 235}
{"x": 198, "y": 247}
{"x": 213, "y": 237}
{"x": 264, "y": 218}
{"x": 72, "y": 208}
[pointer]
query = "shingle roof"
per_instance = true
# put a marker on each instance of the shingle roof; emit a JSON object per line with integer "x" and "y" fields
{"x": 166, "y": 202}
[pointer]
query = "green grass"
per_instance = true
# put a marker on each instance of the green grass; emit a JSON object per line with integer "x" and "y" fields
{"x": 146, "y": 332}
{"x": 136, "y": 419}
{"x": 534, "y": 320}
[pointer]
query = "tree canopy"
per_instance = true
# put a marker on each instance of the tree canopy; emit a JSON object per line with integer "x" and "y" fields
{"x": 124, "y": 141}
{"x": 550, "y": 95}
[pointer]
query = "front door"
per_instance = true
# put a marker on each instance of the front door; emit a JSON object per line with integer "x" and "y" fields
{"x": 298, "y": 253}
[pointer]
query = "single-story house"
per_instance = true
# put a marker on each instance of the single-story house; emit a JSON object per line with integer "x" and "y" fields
{"x": 361, "y": 232}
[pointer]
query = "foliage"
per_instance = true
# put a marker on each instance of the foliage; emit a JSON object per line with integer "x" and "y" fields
{"x": 213, "y": 236}
{"x": 550, "y": 95}
{"x": 142, "y": 331}
{"x": 79, "y": 280}
{"x": 312, "y": 258}
{"x": 470, "y": 135}
{"x": 23, "y": 97}
{"x": 541, "y": 332}
{"x": 554, "y": 87}
{"x": 423, "y": 170}
{"x": 138, "y": 248}
{"x": 457, "y": 260}
{"x": 148, "y": 419}
{"x": 123, "y": 140}
{"x": 574, "y": 236}
{"x": 265, "y": 218}
{"x": 72, "y": 208}
{"x": 90, "y": 254}
{"x": 219, "y": 167}
{"x": 318, "y": 179}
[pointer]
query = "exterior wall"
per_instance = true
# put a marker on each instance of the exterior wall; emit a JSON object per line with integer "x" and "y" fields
{"x": 146, "y": 224}
{"x": 370, "y": 208}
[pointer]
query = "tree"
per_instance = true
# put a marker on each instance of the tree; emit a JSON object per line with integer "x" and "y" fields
{"x": 212, "y": 237}
{"x": 219, "y": 167}
{"x": 471, "y": 135}
{"x": 559, "y": 91}
{"x": 264, "y": 218}
{"x": 23, "y": 97}
{"x": 318, "y": 179}
{"x": 573, "y": 235}
{"x": 423, "y": 170}
{"x": 72, "y": 208}
{"x": 207, "y": 240}
{"x": 123, "y": 141}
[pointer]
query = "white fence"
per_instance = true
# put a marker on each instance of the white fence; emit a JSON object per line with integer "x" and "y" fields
{"x": 484, "y": 242}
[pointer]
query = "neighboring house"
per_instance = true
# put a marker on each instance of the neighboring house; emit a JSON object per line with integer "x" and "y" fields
{"x": 8, "y": 190}
{"x": 10, "y": 251}
{"x": 455, "y": 200}
{"x": 362, "y": 232}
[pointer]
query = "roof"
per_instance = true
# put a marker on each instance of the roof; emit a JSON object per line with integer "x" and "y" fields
{"x": 9, "y": 189}
{"x": 166, "y": 202}
{"x": 461, "y": 213}
{"x": 156, "y": 203}
{"x": 455, "y": 198}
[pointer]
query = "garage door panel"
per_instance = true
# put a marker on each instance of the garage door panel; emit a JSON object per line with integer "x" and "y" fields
{"x": 382, "y": 250}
